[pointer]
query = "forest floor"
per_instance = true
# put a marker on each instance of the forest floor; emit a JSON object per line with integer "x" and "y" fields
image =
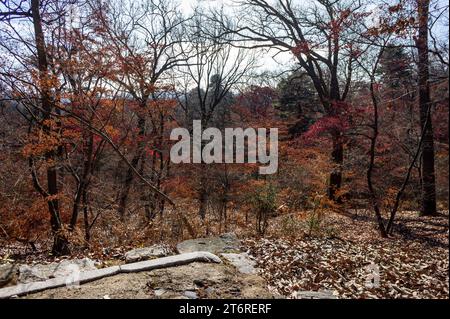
{"x": 192, "y": 281}
{"x": 352, "y": 261}
{"x": 342, "y": 254}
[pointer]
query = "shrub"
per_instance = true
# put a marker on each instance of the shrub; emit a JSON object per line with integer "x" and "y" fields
{"x": 263, "y": 203}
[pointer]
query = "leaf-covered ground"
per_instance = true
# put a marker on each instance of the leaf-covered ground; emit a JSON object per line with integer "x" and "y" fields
{"x": 412, "y": 264}
{"x": 346, "y": 257}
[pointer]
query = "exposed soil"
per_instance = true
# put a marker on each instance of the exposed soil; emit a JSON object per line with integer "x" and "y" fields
{"x": 196, "y": 280}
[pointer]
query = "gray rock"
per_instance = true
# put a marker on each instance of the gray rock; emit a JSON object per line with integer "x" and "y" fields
{"x": 216, "y": 245}
{"x": 145, "y": 253}
{"x": 86, "y": 276}
{"x": 242, "y": 262}
{"x": 41, "y": 272}
{"x": 91, "y": 275}
{"x": 159, "y": 292}
{"x": 68, "y": 281}
{"x": 220, "y": 281}
{"x": 28, "y": 273}
{"x": 314, "y": 295}
{"x": 67, "y": 267}
{"x": 228, "y": 236}
{"x": 22, "y": 289}
{"x": 191, "y": 294}
{"x": 8, "y": 274}
{"x": 171, "y": 261}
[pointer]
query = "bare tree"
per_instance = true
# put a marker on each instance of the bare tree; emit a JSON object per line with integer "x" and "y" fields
{"x": 146, "y": 39}
{"x": 64, "y": 76}
{"x": 427, "y": 156}
{"x": 41, "y": 98}
{"x": 317, "y": 34}
{"x": 205, "y": 84}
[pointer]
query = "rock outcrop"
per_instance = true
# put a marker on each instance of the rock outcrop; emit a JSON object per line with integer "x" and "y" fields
{"x": 8, "y": 274}
{"x": 145, "y": 253}
{"x": 226, "y": 243}
{"x": 87, "y": 276}
{"x": 40, "y": 272}
{"x": 241, "y": 261}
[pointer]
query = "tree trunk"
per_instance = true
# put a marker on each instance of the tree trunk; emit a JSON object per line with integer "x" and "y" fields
{"x": 60, "y": 243}
{"x": 125, "y": 191}
{"x": 337, "y": 157}
{"x": 87, "y": 226}
{"x": 428, "y": 171}
{"x": 85, "y": 178}
{"x": 203, "y": 194}
{"x": 373, "y": 144}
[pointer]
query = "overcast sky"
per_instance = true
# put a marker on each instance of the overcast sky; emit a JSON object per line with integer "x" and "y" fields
{"x": 284, "y": 60}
